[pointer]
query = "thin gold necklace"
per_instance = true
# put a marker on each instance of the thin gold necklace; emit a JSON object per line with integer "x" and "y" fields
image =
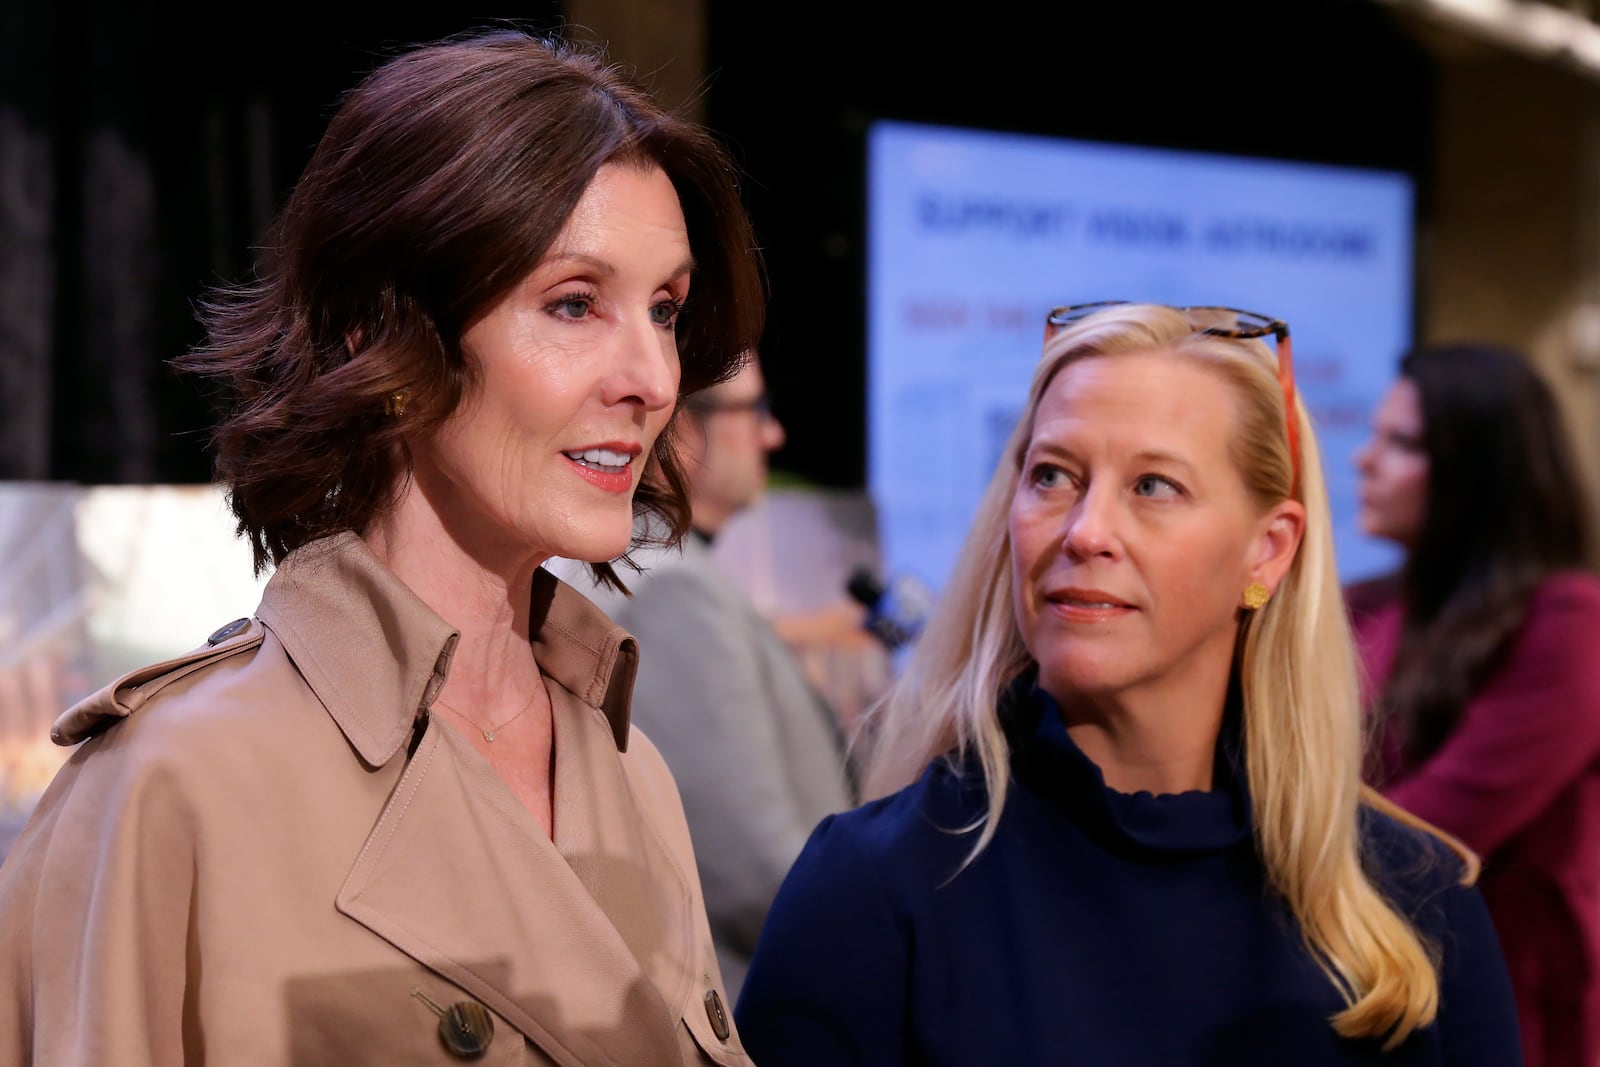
{"x": 488, "y": 735}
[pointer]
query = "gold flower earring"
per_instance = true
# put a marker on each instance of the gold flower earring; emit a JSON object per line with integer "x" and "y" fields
{"x": 394, "y": 405}
{"x": 1255, "y": 596}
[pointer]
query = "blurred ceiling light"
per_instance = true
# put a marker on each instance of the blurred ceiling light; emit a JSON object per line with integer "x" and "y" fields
{"x": 1542, "y": 30}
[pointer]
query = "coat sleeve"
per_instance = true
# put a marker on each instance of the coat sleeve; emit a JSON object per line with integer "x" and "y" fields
{"x": 95, "y": 903}
{"x": 830, "y": 980}
{"x": 1524, "y": 738}
{"x": 701, "y": 698}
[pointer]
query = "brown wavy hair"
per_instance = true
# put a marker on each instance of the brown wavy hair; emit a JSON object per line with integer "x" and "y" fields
{"x": 442, "y": 180}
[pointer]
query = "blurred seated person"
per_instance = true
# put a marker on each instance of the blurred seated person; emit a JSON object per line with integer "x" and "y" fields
{"x": 757, "y": 751}
{"x": 1483, "y": 660}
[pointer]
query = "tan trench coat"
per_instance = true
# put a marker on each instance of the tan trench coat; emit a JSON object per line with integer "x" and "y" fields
{"x": 265, "y": 851}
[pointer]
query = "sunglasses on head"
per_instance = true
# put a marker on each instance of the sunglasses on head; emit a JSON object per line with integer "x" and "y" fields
{"x": 1217, "y": 322}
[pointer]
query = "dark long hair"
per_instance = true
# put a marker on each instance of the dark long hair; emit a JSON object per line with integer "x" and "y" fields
{"x": 441, "y": 181}
{"x": 1505, "y": 509}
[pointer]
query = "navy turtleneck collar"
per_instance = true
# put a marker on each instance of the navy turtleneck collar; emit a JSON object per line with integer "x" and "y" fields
{"x": 1049, "y": 762}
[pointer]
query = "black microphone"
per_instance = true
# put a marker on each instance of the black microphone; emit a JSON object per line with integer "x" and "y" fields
{"x": 896, "y": 610}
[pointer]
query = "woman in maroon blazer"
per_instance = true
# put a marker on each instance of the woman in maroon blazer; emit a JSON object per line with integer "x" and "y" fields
{"x": 1483, "y": 657}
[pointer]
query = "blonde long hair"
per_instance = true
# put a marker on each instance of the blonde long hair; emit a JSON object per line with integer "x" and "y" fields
{"x": 1303, "y": 732}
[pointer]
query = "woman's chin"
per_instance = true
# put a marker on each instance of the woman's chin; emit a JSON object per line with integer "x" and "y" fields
{"x": 599, "y": 546}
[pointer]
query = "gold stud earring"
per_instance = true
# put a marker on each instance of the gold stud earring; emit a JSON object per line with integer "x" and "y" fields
{"x": 394, "y": 405}
{"x": 1255, "y": 596}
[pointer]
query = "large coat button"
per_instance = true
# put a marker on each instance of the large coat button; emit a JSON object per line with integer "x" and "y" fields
{"x": 225, "y": 632}
{"x": 718, "y": 1017}
{"x": 466, "y": 1029}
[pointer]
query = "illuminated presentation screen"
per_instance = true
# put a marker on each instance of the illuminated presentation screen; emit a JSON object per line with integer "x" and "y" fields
{"x": 973, "y": 236}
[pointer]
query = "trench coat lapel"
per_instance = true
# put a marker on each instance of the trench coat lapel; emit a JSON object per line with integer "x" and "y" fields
{"x": 457, "y": 875}
{"x": 623, "y": 865}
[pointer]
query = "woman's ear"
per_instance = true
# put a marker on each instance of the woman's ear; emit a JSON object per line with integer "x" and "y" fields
{"x": 1277, "y": 540}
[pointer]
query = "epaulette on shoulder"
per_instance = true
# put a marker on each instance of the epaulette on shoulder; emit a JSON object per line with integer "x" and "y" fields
{"x": 128, "y": 694}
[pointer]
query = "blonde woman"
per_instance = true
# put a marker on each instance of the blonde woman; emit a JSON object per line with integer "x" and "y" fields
{"x": 1120, "y": 817}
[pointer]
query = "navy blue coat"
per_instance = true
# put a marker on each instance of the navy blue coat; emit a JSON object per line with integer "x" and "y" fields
{"x": 1098, "y": 928}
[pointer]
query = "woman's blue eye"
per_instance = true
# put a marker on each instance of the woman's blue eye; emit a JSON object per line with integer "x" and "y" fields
{"x": 665, "y": 313}
{"x": 1047, "y": 477}
{"x": 572, "y": 307}
{"x": 1154, "y": 485}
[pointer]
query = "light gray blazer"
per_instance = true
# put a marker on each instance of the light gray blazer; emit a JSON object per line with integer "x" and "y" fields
{"x": 756, "y": 751}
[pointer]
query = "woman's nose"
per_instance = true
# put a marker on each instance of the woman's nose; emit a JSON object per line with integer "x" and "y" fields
{"x": 1364, "y": 457}
{"x": 647, "y": 368}
{"x": 1091, "y": 526}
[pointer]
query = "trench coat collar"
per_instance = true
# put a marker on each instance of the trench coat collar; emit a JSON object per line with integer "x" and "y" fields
{"x": 376, "y": 656}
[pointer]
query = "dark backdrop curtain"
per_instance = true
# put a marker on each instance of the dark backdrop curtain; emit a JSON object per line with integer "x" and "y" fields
{"x": 140, "y": 159}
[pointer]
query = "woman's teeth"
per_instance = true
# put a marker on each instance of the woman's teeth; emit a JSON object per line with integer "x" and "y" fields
{"x": 601, "y": 459}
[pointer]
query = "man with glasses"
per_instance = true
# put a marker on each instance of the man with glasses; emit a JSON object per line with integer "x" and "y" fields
{"x": 757, "y": 752}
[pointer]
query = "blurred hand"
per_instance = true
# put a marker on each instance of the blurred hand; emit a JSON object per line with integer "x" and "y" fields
{"x": 32, "y": 695}
{"x": 840, "y": 626}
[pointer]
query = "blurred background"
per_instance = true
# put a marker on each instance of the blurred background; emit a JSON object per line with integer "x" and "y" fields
{"x": 926, "y": 180}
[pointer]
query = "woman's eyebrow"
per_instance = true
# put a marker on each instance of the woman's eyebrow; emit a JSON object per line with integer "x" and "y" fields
{"x": 605, "y": 268}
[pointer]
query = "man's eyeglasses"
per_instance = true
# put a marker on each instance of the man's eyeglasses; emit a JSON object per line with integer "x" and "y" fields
{"x": 761, "y": 406}
{"x": 1218, "y": 322}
